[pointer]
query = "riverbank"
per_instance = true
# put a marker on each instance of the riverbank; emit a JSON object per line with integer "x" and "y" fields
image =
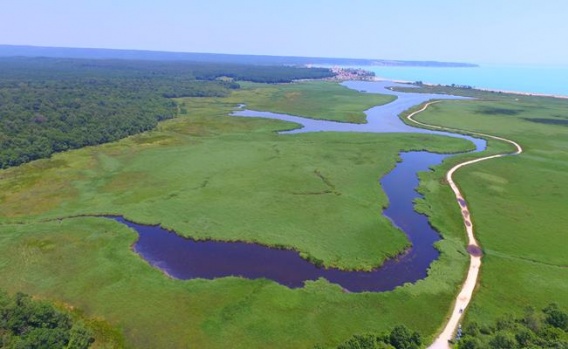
{"x": 214, "y": 259}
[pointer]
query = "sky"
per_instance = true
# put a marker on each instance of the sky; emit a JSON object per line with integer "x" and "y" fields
{"x": 481, "y": 31}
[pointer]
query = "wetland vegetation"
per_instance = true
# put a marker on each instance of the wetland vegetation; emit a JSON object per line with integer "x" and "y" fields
{"x": 211, "y": 176}
{"x": 266, "y": 181}
{"x": 516, "y": 202}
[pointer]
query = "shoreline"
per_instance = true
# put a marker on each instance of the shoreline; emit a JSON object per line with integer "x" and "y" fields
{"x": 518, "y": 93}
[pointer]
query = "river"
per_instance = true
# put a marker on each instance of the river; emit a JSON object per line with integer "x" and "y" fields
{"x": 185, "y": 258}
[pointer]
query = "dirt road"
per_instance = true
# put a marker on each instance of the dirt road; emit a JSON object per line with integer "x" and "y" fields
{"x": 467, "y": 288}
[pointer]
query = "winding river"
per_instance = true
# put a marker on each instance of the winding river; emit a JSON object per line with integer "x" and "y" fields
{"x": 184, "y": 258}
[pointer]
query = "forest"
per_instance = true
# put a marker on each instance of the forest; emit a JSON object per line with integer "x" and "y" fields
{"x": 49, "y": 105}
{"x": 27, "y": 323}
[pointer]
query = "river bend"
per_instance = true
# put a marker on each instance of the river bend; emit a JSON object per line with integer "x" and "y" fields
{"x": 185, "y": 258}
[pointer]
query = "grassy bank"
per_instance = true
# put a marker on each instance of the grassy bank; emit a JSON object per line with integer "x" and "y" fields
{"x": 315, "y": 99}
{"x": 56, "y": 261}
{"x": 208, "y": 175}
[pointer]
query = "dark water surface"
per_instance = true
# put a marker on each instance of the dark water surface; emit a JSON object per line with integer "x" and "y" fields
{"x": 184, "y": 258}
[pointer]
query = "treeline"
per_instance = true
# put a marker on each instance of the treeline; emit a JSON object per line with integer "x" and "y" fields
{"x": 264, "y": 74}
{"x": 25, "y": 323}
{"x": 38, "y": 68}
{"x": 547, "y": 328}
{"x": 50, "y": 105}
{"x": 400, "y": 337}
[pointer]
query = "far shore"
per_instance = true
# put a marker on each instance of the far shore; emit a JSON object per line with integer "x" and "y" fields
{"x": 376, "y": 78}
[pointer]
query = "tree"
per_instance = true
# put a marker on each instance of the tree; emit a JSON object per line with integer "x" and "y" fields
{"x": 25, "y": 323}
{"x": 401, "y": 338}
{"x": 503, "y": 340}
{"x": 525, "y": 337}
{"x": 366, "y": 341}
{"x": 468, "y": 342}
{"x": 556, "y": 317}
{"x": 532, "y": 319}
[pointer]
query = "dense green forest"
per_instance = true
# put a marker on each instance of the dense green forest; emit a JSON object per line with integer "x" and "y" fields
{"x": 25, "y": 323}
{"x": 49, "y": 105}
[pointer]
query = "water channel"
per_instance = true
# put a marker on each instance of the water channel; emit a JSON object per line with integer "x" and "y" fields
{"x": 185, "y": 258}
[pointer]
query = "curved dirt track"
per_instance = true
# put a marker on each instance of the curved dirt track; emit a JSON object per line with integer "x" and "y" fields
{"x": 467, "y": 288}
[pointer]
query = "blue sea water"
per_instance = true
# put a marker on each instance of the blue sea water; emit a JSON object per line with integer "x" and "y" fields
{"x": 529, "y": 79}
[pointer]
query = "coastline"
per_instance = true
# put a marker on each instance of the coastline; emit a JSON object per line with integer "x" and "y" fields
{"x": 518, "y": 93}
{"x": 531, "y": 94}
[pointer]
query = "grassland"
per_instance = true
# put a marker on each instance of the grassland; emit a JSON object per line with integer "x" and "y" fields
{"x": 233, "y": 179}
{"x": 518, "y": 203}
{"x": 87, "y": 263}
{"x": 208, "y": 175}
{"x": 315, "y": 99}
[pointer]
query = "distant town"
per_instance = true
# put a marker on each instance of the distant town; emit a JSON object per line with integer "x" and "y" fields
{"x": 342, "y": 74}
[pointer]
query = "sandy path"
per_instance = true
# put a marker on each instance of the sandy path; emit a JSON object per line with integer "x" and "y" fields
{"x": 466, "y": 292}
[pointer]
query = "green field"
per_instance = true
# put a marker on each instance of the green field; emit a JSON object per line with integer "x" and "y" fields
{"x": 518, "y": 203}
{"x": 313, "y": 99}
{"x": 208, "y": 175}
{"x": 231, "y": 178}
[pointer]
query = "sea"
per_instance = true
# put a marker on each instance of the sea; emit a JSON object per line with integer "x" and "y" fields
{"x": 550, "y": 80}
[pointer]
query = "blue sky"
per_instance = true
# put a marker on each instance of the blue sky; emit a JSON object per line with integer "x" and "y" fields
{"x": 482, "y": 31}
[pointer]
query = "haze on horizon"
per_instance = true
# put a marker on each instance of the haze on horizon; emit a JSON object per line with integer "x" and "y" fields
{"x": 483, "y": 31}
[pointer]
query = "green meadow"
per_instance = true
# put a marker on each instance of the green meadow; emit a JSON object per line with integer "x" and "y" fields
{"x": 211, "y": 176}
{"x": 87, "y": 263}
{"x": 207, "y": 175}
{"x": 313, "y": 99}
{"x": 518, "y": 203}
